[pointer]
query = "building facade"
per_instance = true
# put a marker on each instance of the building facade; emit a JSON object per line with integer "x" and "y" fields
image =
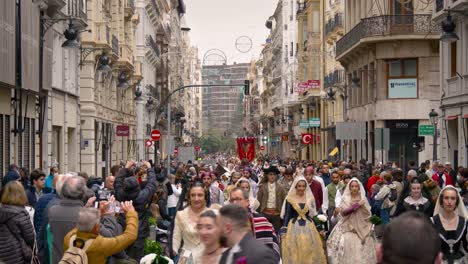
{"x": 107, "y": 97}
{"x": 390, "y": 57}
{"x": 222, "y": 107}
{"x": 311, "y": 112}
{"x": 334, "y": 74}
{"x": 39, "y": 75}
{"x": 453, "y": 114}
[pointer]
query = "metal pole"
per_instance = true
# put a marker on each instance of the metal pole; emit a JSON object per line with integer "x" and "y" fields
{"x": 382, "y": 144}
{"x": 434, "y": 149}
{"x": 168, "y": 135}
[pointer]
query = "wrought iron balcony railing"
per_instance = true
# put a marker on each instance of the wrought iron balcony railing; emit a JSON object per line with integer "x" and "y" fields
{"x": 152, "y": 44}
{"x": 335, "y": 78}
{"x": 388, "y": 25}
{"x": 333, "y": 23}
{"x": 338, "y": 20}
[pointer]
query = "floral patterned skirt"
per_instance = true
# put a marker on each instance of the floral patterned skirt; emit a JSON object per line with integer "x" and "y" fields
{"x": 347, "y": 247}
{"x": 302, "y": 245}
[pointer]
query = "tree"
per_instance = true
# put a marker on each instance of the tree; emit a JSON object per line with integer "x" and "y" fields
{"x": 212, "y": 143}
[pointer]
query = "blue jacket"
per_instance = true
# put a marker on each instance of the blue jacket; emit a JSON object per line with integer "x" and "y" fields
{"x": 41, "y": 220}
{"x": 10, "y": 176}
{"x": 31, "y": 194}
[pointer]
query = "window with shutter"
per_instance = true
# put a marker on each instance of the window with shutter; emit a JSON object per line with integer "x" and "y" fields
{"x": 453, "y": 59}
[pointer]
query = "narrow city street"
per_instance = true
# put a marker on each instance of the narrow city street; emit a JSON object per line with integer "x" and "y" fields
{"x": 234, "y": 131}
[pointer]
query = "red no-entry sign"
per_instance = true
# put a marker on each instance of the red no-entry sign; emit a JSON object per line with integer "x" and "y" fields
{"x": 262, "y": 147}
{"x": 155, "y": 135}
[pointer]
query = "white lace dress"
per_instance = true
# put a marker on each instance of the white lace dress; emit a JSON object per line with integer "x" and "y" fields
{"x": 185, "y": 230}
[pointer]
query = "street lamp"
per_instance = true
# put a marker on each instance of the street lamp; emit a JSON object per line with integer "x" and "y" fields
{"x": 433, "y": 116}
{"x": 122, "y": 81}
{"x": 103, "y": 64}
{"x": 71, "y": 35}
{"x": 448, "y": 29}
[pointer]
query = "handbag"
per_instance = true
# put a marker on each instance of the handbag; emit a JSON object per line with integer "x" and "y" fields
{"x": 35, "y": 254}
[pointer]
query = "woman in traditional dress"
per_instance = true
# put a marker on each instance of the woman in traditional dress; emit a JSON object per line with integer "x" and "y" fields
{"x": 415, "y": 200}
{"x": 450, "y": 222}
{"x": 185, "y": 225}
{"x": 210, "y": 235}
{"x": 245, "y": 184}
{"x": 352, "y": 239}
{"x": 235, "y": 176}
{"x": 301, "y": 242}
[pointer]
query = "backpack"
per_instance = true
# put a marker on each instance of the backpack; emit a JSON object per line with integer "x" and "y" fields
{"x": 376, "y": 205}
{"x": 393, "y": 195}
{"x": 76, "y": 255}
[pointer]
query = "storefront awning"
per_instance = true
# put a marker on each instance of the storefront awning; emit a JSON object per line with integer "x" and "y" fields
{"x": 453, "y": 117}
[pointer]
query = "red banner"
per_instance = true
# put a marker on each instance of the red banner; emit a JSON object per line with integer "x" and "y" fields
{"x": 246, "y": 148}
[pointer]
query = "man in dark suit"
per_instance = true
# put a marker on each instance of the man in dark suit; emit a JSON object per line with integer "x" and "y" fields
{"x": 243, "y": 247}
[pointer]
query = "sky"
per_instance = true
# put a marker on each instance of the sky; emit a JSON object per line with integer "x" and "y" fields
{"x": 217, "y": 24}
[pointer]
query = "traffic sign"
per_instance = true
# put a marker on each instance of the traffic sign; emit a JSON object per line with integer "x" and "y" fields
{"x": 155, "y": 135}
{"x": 426, "y": 130}
{"x": 148, "y": 143}
{"x": 262, "y": 147}
{"x": 176, "y": 151}
{"x": 197, "y": 148}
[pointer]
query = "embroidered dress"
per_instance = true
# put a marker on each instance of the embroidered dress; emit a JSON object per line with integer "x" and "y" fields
{"x": 302, "y": 243}
{"x": 421, "y": 205}
{"x": 454, "y": 242}
{"x": 352, "y": 239}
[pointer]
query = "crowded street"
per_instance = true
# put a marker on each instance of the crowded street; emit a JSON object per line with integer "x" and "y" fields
{"x": 234, "y": 131}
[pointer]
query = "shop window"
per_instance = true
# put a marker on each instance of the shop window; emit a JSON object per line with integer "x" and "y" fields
{"x": 402, "y": 78}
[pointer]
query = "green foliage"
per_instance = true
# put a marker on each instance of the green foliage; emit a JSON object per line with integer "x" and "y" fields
{"x": 152, "y": 246}
{"x": 212, "y": 143}
{"x": 152, "y": 221}
{"x": 375, "y": 220}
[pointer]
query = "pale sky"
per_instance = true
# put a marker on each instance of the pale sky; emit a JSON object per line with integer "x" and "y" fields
{"x": 218, "y": 23}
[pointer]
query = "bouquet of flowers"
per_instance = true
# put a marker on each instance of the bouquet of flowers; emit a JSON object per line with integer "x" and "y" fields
{"x": 153, "y": 252}
{"x": 321, "y": 223}
{"x": 375, "y": 220}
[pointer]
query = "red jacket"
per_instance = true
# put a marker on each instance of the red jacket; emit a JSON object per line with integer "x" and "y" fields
{"x": 448, "y": 179}
{"x": 316, "y": 189}
{"x": 372, "y": 180}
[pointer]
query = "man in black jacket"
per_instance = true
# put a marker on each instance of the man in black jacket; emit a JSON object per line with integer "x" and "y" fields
{"x": 127, "y": 188}
{"x": 244, "y": 248}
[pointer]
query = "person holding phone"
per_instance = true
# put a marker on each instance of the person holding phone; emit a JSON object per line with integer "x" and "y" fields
{"x": 128, "y": 188}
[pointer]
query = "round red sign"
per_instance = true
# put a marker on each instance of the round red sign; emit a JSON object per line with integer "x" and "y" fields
{"x": 262, "y": 147}
{"x": 155, "y": 135}
{"x": 148, "y": 143}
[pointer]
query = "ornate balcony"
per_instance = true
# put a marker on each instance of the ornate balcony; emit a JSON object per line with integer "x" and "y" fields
{"x": 381, "y": 28}
{"x": 129, "y": 8}
{"x": 333, "y": 79}
{"x": 153, "y": 53}
{"x": 334, "y": 28}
